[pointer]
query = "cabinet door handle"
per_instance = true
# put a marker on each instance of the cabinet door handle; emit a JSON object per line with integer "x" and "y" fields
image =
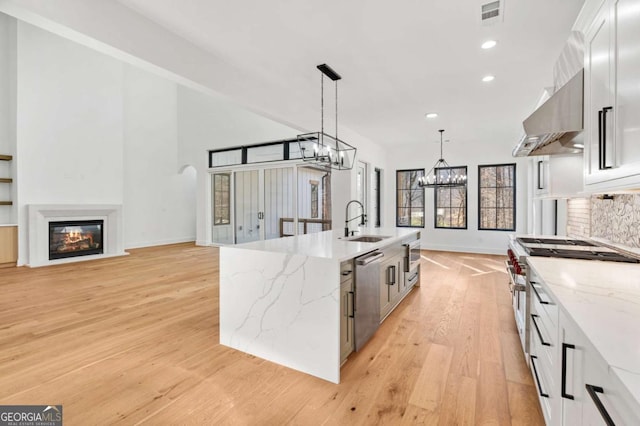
{"x": 535, "y": 373}
{"x": 605, "y": 110}
{"x": 393, "y": 275}
{"x": 593, "y": 393}
{"x": 563, "y": 387}
{"x": 345, "y": 299}
{"x": 600, "y": 156}
{"x": 540, "y": 175}
{"x": 535, "y": 324}
{"x": 352, "y": 304}
{"x": 542, "y": 302}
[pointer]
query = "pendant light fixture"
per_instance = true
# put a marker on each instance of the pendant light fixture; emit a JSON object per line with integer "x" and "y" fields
{"x": 441, "y": 174}
{"x": 323, "y": 149}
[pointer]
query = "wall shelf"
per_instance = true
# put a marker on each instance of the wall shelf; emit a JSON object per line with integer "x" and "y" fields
{"x": 4, "y": 157}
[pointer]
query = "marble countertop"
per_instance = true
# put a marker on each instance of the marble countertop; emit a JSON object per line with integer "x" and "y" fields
{"x": 603, "y": 298}
{"x": 8, "y": 224}
{"x": 329, "y": 244}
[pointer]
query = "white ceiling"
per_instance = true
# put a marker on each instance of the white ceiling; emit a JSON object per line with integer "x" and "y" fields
{"x": 398, "y": 59}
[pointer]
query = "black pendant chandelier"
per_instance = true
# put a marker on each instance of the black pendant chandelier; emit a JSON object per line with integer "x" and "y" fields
{"x": 323, "y": 149}
{"x": 441, "y": 174}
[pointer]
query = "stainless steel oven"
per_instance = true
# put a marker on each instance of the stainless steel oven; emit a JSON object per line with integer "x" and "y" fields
{"x": 516, "y": 267}
{"x": 518, "y": 290}
{"x": 412, "y": 255}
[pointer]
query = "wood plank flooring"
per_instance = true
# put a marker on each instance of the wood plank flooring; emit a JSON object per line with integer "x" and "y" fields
{"x": 134, "y": 340}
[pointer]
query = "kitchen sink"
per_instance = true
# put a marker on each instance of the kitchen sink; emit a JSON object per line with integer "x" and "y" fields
{"x": 368, "y": 238}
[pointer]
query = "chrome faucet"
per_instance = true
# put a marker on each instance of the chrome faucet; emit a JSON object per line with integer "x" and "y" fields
{"x": 363, "y": 217}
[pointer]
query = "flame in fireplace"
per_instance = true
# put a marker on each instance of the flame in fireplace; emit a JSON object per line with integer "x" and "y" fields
{"x": 74, "y": 235}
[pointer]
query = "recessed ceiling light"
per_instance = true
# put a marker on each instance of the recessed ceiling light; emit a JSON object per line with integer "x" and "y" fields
{"x": 488, "y": 78}
{"x": 578, "y": 145}
{"x": 533, "y": 138}
{"x": 489, "y": 44}
{"x": 431, "y": 115}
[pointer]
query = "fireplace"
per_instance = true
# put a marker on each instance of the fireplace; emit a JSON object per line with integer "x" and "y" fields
{"x": 75, "y": 238}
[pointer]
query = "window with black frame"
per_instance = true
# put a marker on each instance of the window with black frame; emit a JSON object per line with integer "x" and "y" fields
{"x": 497, "y": 197}
{"x": 409, "y": 199}
{"x": 451, "y": 201}
{"x": 221, "y": 199}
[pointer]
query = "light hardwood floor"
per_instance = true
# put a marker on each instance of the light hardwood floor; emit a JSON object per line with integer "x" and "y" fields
{"x": 134, "y": 340}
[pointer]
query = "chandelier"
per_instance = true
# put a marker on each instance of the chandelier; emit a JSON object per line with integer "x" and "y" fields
{"x": 443, "y": 175}
{"x": 321, "y": 148}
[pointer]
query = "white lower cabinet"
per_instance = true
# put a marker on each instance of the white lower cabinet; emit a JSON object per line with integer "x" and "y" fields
{"x": 572, "y": 389}
{"x": 543, "y": 347}
{"x": 575, "y": 384}
{"x": 591, "y": 393}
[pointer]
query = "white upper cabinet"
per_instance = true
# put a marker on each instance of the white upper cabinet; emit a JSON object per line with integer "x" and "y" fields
{"x": 612, "y": 97}
{"x": 557, "y": 176}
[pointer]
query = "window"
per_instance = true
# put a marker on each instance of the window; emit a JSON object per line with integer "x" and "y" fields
{"x": 497, "y": 197}
{"x": 377, "y": 177}
{"x": 314, "y": 199}
{"x": 221, "y": 199}
{"x": 451, "y": 202}
{"x": 409, "y": 198}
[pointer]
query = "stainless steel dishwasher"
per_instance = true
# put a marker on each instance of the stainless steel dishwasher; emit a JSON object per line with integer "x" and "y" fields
{"x": 367, "y": 297}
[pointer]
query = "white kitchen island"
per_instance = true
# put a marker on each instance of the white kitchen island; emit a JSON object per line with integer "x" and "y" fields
{"x": 280, "y": 298}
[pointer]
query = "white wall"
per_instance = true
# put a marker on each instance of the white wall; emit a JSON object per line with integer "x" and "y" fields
{"x": 7, "y": 111}
{"x": 471, "y": 154}
{"x": 206, "y": 122}
{"x": 86, "y": 130}
{"x": 159, "y": 202}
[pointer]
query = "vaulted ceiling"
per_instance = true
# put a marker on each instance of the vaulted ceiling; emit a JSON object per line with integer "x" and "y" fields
{"x": 399, "y": 60}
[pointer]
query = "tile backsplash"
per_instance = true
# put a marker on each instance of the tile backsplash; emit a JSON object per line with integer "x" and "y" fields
{"x": 616, "y": 220}
{"x": 578, "y": 217}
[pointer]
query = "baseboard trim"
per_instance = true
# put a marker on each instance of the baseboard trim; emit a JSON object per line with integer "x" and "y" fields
{"x": 160, "y": 243}
{"x": 477, "y": 250}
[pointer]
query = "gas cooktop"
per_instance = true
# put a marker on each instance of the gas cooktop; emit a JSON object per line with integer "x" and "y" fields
{"x": 581, "y": 254}
{"x": 555, "y": 241}
{"x": 571, "y": 249}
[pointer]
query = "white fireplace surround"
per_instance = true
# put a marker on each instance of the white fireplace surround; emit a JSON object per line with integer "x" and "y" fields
{"x": 38, "y": 232}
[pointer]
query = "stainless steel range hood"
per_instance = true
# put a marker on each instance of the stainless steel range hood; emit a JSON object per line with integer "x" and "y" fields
{"x": 554, "y": 127}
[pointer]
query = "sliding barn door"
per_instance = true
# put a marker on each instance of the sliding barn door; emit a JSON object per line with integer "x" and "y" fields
{"x": 279, "y": 193}
{"x": 247, "y": 206}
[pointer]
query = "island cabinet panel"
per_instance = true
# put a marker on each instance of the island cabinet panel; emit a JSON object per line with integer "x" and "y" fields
{"x": 282, "y": 307}
{"x": 347, "y": 300}
{"x": 390, "y": 280}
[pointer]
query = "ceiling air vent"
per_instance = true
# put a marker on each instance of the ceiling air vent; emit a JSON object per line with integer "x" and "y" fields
{"x": 492, "y": 12}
